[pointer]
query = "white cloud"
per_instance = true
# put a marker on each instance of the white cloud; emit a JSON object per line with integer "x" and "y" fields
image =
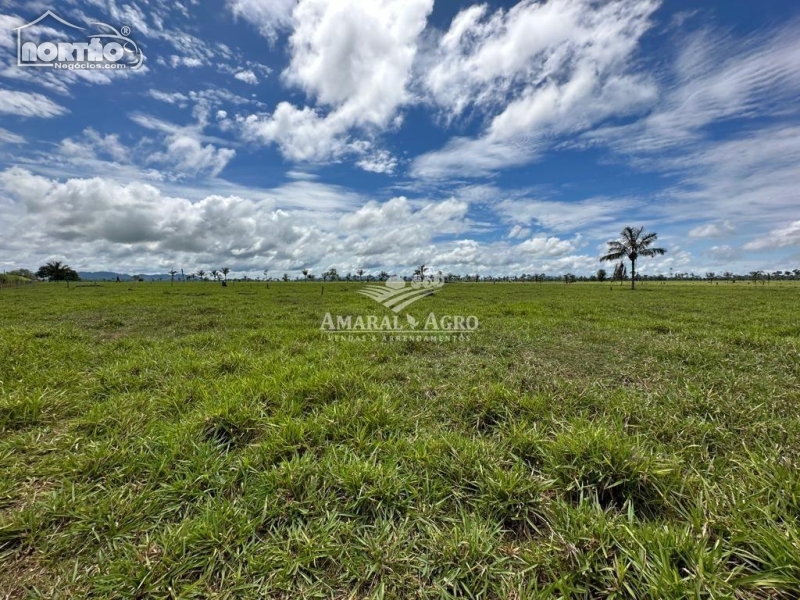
{"x": 176, "y": 98}
{"x": 354, "y": 59}
{"x": 751, "y": 179}
{"x": 378, "y": 162}
{"x": 269, "y": 16}
{"x": 187, "y": 61}
{"x": 7, "y": 137}
{"x": 550, "y": 68}
{"x": 301, "y": 175}
{"x": 518, "y": 231}
{"x": 92, "y": 144}
{"x": 723, "y": 253}
{"x": 777, "y": 238}
{"x": 712, "y": 230}
{"x": 542, "y": 246}
{"x": 247, "y": 76}
{"x": 188, "y": 155}
{"x": 564, "y": 216}
{"x": 717, "y": 78}
{"x": 26, "y": 104}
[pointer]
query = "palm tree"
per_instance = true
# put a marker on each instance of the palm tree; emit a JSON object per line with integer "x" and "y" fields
{"x": 305, "y": 273}
{"x": 360, "y": 273}
{"x": 172, "y": 274}
{"x": 225, "y": 271}
{"x": 632, "y": 244}
{"x": 202, "y": 274}
{"x": 55, "y": 270}
{"x": 420, "y": 272}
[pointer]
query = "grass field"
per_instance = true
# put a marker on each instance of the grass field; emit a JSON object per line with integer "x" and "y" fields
{"x": 199, "y": 441}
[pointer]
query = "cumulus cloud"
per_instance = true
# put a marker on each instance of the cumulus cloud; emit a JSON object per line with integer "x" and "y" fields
{"x": 95, "y": 145}
{"x": 247, "y": 76}
{"x": 269, "y": 16}
{"x": 353, "y": 59}
{"x": 29, "y": 104}
{"x": 187, "y": 154}
{"x": 378, "y": 162}
{"x": 547, "y": 246}
{"x": 97, "y": 211}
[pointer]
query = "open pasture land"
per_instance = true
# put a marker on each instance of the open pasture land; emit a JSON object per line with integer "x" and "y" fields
{"x": 190, "y": 440}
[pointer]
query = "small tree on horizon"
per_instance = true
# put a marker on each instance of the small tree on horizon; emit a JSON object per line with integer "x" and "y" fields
{"x": 601, "y": 275}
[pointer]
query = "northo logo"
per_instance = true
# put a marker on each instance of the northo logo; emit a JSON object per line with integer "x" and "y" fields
{"x": 104, "y": 49}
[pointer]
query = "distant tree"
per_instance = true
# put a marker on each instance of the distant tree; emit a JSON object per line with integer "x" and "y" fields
{"x": 305, "y": 273}
{"x": 569, "y": 278}
{"x": 711, "y": 276}
{"x": 215, "y": 274}
{"x": 225, "y": 271}
{"x": 360, "y": 274}
{"x": 620, "y": 272}
{"x": 172, "y": 274}
{"x": 383, "y": 276}
{"x": 420, "y": 272}
{"x": 601, "y": 275}
{"x": 202, "y": 274}
{"x": 755, "y": 276}
{"x": 286, "y": 277}
{"x": 26, "y": 273}
{"x": 633, "y": 243}
{"x": 55, "y": 270}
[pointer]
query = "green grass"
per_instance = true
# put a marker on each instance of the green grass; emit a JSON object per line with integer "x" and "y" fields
{"x": 199, "y": 441}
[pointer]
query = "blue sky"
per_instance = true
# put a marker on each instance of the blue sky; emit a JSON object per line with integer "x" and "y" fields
{"x": 498, "y": 138}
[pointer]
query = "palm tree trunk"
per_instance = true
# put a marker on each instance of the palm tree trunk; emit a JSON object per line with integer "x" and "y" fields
{"x": 633, "y": 274}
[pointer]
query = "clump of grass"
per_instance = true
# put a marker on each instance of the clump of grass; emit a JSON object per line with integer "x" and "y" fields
{"x": 22, "y": 411}
{"x": 594, "y": 461}
{"x": 231, "y": 426}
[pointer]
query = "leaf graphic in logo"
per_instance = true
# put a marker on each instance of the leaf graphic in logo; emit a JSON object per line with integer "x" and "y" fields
{"x": 395, "y": 283}
{"x": 412, "y": 321}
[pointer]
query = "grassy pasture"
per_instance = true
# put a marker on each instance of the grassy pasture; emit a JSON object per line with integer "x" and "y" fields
{"x": 190, "y": 440}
